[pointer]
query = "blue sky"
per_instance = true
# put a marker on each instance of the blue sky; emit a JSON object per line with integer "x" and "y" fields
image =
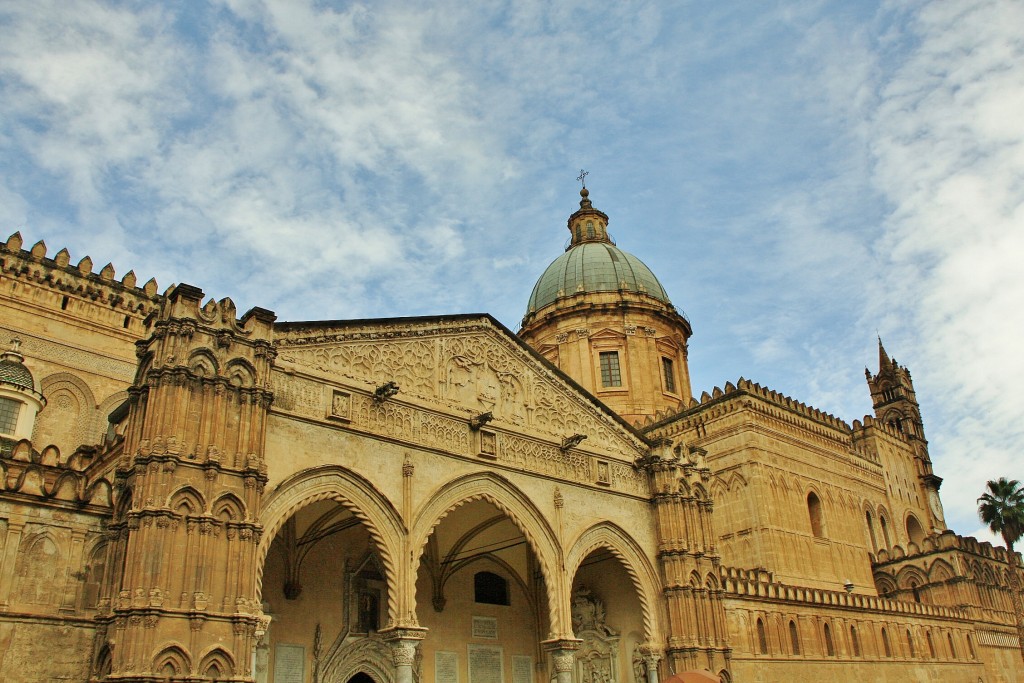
{"x": 799, "y": 175}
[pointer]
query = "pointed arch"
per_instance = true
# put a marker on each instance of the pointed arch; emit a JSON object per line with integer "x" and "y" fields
{"x": 172, "y": 660}
{"x": 940, "y": 571}
{"x": 368, "y": 655}
{"x": 501, "y": 493}
{"x": 203, "y": 362}
{"x": 228, "y": 508}
{"x": 613, "y": 538}
{"x": 356, "y": 494}
{"x": 215, "y": 663}
{"x": 186, "y": 501}
{"x": 241, "y": 373}
{"x": 104, "y": 662}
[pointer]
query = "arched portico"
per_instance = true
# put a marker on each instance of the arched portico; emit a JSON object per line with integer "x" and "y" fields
{"x": 612, "y": 538}
{"x": 355, "y": 493}
{"x": 499, "y": 492}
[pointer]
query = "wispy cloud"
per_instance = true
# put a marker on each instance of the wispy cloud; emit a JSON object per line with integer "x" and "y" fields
{"x": 948, "y": 144}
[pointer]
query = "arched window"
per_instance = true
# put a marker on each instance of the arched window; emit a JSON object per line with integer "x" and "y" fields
{"x": 885, "y": 643}
{"x": 490, "y": 589}
{"x": 914, "y": 531}
{"x": 885, "y": 530}
{"x": 871, "y": 530}
{"x": 814, "y": 511}
{"x": 830, "y": 648}
{"x": 590, "y": 229}
{"x": 970, "y": 647}
{"x": 952, "y": 647}
{"x": 855, "y": 641}
{"x": 794, "y": 637}
{"x": 910, "y": 644}
{"x": 914, "y": 590}
{"x": 931, "y": 644}
{"x": 762, "y": 637}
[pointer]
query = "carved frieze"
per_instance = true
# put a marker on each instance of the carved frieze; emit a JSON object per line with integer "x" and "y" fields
{"x": 463, "y": 368}
{"x": 410, "y": 363}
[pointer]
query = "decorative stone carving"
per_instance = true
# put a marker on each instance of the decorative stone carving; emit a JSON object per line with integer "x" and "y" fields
{"x": 341, "y": 405}
{"x": 596, "y": 660}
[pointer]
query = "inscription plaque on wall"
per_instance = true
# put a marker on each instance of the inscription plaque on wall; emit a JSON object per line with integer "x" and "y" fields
{"x": 446, "y": 667}
{"x": 485, "y": 664}
{"x": 522, "y": 669}
{"x": 485, "y": 627}
{"x": 289, "y": 663}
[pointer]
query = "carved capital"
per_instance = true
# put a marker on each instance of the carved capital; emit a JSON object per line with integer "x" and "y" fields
{"x": 562, "y": 651}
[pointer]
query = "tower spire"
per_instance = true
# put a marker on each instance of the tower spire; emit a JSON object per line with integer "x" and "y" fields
{"x": 883, "y": 357}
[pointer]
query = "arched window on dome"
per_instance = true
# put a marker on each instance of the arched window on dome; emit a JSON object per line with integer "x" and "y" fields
{"x": 590, "y": 230}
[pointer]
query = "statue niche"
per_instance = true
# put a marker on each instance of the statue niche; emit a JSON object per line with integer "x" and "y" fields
{"x": 597, "y": 657}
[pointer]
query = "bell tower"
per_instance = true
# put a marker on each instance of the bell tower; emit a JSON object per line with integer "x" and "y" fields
{"x": 895, "y": 405}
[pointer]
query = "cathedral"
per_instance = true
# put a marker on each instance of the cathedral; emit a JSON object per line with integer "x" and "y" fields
{"x": 194, "y": 494}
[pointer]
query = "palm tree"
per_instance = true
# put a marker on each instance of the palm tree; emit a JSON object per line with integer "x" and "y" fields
{"x": 1002, "y": 508}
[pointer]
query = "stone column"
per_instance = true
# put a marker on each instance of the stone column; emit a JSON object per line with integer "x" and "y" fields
{"x": 651, "y": 657}
{"x": 404, "y": 642}
{"x": 563, "y": 657}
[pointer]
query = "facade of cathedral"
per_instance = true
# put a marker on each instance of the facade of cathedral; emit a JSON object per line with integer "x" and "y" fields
{"x": 187, "y": 494}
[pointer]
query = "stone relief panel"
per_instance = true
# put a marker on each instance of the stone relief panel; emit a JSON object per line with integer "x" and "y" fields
{"x": 409, "y": 363}
{"x": 297, "y": 395}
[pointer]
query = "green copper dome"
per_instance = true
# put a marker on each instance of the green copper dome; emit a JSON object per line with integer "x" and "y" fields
{"x": 594, "y": 267}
